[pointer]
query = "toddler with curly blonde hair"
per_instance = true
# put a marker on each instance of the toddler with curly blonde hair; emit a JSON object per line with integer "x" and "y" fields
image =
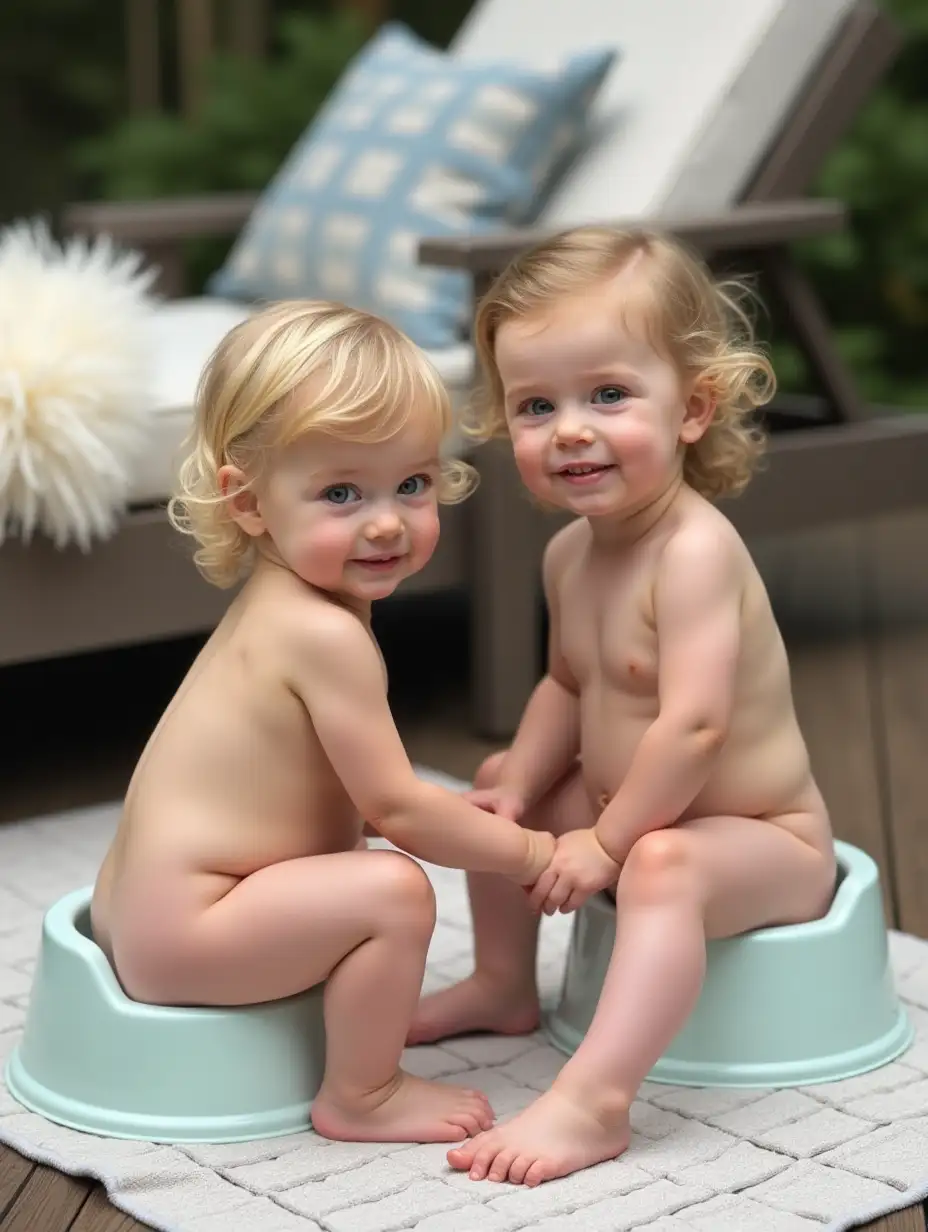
{"x": 239, "y": 873}
{"x": 661, "y": 745}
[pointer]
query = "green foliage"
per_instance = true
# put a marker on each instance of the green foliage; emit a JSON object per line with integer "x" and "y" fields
{"x": 251, "y": 116}
{"x": 873, "y": 278}
{"x": 61, "y": 79}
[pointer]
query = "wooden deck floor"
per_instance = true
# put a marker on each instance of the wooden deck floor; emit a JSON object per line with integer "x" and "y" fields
{"x": 853, "y": 606}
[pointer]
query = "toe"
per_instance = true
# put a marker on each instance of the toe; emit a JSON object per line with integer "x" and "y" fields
{"x": 485, "y": 1116}
{"x": 483, "y": 1160}
{"x": 462, "y": 1157}
{"x": 480, "y": 1106}
{"x": 519, "y": 1167}
{"x": 469, "y": 1121}
{"x": 537, "y": 1173}
{"x": 499, "y": 1169}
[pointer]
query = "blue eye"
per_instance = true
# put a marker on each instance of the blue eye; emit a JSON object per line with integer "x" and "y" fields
{"x": 415, "y": 485}
{"x": 341, "y": 494}
{"x": 536, "y": 406}
{"x": 609, "y": 395}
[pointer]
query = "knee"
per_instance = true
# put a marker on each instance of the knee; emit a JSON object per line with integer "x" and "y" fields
{"x": 488, "y": 773}
{"x": 658, "y": 867}
{"x": 404, "y": 891}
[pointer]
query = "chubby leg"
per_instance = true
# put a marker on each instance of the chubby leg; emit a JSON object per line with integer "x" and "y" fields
{"x": 361, "y": 921}
{"x": 501, "y": 995}
{"x": 712, "y": 877}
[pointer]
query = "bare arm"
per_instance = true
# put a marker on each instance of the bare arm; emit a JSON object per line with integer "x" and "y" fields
{"x": 548, "y": 739}
{"x": 698, "y": 612}
{"x": 338, "y": 676}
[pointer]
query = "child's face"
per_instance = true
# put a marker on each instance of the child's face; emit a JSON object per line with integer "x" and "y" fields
{"x": 597, "y": 417}
{"x": 352, "y": 518}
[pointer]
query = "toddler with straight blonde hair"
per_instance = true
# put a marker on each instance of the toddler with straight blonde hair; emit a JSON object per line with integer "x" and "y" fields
{"x": 239, "y": 873}
{"x": 661, "y": 745}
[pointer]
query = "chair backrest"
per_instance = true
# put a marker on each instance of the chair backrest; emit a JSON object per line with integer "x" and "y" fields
{"x": 697, "y": 97}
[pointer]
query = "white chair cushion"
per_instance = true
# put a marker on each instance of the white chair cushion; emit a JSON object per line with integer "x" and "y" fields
{"x": 185, "y": 333}
{"x": 701, "y": 90}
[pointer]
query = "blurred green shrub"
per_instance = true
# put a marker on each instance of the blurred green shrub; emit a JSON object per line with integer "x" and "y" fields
{"x": 61, "y": 79}
{"x": 873, "y": 278}
{"x": 252, "y": 114}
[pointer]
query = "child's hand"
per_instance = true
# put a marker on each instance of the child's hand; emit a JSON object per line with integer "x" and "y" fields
{"x": 499, "y": 800}
{"x": 580, "y": 867}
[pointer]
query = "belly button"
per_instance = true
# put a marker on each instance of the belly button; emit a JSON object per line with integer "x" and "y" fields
{"x": 603, "y": 801}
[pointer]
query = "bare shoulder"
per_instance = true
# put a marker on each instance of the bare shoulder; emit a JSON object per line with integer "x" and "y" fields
{"x": 705, "y": 549}
{"x": 317, "y": 628}
{"x": 304, "y": 626}
{"x": 563, "y": 548}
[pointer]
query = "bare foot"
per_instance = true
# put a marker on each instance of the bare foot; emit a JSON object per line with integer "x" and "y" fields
{"x": 408, "y": 1109}
{"x": 475, "y": 1004}
{"x": 553, "y": 1137}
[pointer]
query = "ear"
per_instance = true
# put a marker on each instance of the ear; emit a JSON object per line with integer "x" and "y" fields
{"x": 700, "y": 407}
{"x": 241, "y": 500}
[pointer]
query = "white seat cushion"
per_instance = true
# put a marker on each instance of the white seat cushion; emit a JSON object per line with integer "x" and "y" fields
{"x": 701, "y": 90}
{"x": 185, "y": 333}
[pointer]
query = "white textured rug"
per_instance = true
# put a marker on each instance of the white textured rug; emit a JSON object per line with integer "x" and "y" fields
{"x": 700, "y": 1161}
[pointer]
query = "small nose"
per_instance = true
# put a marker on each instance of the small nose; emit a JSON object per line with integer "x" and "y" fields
{"x": 385, "y": 524}
{"x": 570, "y": 430}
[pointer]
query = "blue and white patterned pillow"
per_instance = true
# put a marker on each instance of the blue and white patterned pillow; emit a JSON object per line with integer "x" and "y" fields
{"x": 410, "y": 144}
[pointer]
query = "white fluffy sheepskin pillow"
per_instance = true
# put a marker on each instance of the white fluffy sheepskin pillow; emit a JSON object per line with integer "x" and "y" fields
{"x": 74, "y": 354}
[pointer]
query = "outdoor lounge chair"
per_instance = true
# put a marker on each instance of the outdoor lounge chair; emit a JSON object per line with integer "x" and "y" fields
{"x": 712, "y": 125}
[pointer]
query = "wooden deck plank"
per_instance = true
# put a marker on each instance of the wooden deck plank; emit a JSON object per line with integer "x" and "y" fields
{"x": 897, "y": 577}
{"x": 911, "y": 1219}
{"x": 99, "y": 1215}
{"x": 818, "y": 596}
{"x": 14, "y": 1173}
{"x": 48, "y": 1202}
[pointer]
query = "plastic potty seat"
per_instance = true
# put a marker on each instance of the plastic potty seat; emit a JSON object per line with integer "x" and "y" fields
{"x": 92, "y": 1059}
{"x": 788, "y": 1006}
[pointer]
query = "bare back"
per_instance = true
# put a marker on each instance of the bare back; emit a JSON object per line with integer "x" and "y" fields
{"x": 607, "y": 636}
{"x": 233, "y": 778}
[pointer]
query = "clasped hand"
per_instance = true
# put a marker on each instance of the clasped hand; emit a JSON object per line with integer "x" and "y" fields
{"x": 579, "y": 868}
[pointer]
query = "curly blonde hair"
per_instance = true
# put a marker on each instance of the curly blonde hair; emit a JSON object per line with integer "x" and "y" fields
{"x": 366, "y": 380}
{"x": 699, "y": 323}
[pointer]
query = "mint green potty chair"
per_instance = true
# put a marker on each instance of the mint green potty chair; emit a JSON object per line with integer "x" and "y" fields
{"x": 788, "y": 1006}
{"x": 92, "y": 1059}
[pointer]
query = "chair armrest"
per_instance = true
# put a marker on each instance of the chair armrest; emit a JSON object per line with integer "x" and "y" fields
{"x": 167, "y": 221}
{"x": 744, "y": 228}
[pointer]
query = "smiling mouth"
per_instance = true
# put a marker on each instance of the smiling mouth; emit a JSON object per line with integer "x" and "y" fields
{"x": 379, "y": 564}
{"x": 583, "y": 472}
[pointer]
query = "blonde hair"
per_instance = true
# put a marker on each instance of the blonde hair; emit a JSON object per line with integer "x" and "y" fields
{"x": 700, "y": 324}
{"x": 367, "y": 380}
